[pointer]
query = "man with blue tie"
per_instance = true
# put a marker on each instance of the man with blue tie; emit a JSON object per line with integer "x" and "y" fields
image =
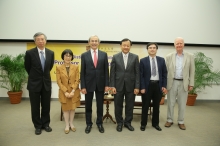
{"x": 153, "y": 81}
{"x": 38, "y": 63}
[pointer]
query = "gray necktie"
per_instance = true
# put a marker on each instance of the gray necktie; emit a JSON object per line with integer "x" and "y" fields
{"x": 125, "y": 60}
{"x": 42, "y": 59}
{"x": 153, "y": 73}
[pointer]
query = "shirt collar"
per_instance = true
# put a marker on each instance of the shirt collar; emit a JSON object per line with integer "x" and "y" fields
{"x": 181, "y": 54}
{"x": 151, "y": 57}
{"x": 41, "y": 50}
{"x": 123, "y": 54}
{"x": 92, "y": 51}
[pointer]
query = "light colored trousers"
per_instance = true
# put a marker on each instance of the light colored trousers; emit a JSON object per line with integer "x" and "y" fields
{"x": 176, "y": 92}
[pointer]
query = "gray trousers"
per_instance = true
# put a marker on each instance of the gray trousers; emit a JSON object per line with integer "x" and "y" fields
{"x": 176, "y": 92}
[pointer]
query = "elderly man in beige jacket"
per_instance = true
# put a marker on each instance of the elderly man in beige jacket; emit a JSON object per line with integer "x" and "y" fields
{"x": 180, "y": 80}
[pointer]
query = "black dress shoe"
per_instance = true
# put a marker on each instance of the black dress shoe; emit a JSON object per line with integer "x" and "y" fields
{"x": 37, "y": 131}
{"x": 88, "y": 129}
{"x": 158, "y": 128}
{"x": 47, "y": 129}
{"x": 129, "y": 127}
{"x": 119, "y": 128}
{"x": 101, "y": 129}
{"x": 142, "y": 128}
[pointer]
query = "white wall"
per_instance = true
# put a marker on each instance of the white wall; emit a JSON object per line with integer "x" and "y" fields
{"x": 208, "y": 94}
{"x": 197, "y": 21}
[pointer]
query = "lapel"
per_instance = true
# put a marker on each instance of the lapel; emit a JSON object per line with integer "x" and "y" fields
{"x": 159, "y": 68}
{"x": 121, "y": 59}
{"x": 47, "y": 58}
{"x": 71, "y": 69}
{"x": 130, "y": 56}
{"x": 148, "y": 64}
{"x": 184, "y": 59}
{"x": 174, "y": 60}
{"x": 36, "y": 54}
{"x": 63, "y": 69}
{"x": 99, "y": 58}
{"x": 89, "y": 56}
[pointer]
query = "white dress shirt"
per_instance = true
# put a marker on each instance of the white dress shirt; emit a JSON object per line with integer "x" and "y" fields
{"x": 179, "y": 66}
{"x": 124, "y": 57}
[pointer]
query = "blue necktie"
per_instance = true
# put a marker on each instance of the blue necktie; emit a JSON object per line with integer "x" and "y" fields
{"x": 42, "y": 59}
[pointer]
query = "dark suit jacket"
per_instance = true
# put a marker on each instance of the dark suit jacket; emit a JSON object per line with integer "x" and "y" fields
{"x": 145, "y": 72}
{"x": 37, "y": 77}
{"x": 91, "y": 76}
{"x": 129, "y": 76}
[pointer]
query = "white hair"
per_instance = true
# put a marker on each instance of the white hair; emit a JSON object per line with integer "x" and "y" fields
{"x": 94, "y": 36}
{"x": 38, "y": 34}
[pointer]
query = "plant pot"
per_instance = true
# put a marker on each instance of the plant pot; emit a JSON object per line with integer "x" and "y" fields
{"x": 15, "y": 97}
{"x": 162, "y": 100}
{"x": 191, "y": 99}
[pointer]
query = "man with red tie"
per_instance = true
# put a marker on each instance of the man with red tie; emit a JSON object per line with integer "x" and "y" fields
{"x": 94, "y": 78}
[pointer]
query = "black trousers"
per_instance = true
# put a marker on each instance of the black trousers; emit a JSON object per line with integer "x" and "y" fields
{"x": 153, "y": 93}
{"x": 129, "y": 106}
{"x": 99, "y": 105}
{"x": 40, "y": 107}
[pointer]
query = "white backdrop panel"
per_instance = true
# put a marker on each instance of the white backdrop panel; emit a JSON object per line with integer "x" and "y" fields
{"x": 197, "y": 21}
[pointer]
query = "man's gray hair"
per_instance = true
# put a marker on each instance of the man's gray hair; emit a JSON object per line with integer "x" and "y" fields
{"x": 38, "y": 34}
{"x": 94, "y": 36}
{"x": 179, "y": 38}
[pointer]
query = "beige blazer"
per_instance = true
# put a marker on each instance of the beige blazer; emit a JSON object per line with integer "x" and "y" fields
{"x": 188, "y": 69}
{"x": 68, "y": 83}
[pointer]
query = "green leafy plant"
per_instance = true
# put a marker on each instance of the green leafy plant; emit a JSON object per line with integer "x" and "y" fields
{"x": 204, "y": 73}
{"x": 13, "y": 74}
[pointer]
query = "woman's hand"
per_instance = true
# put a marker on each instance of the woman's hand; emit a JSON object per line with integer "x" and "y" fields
{"x": 67, "y": 94}
{"x": 71, "y": 94}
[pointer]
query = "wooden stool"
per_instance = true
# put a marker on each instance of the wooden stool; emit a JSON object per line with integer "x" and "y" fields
{"x": 107, "y": 115}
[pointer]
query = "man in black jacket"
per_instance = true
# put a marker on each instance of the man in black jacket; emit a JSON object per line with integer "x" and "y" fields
{"x": 38, "y": 63}
{"x": 94, "y": 78}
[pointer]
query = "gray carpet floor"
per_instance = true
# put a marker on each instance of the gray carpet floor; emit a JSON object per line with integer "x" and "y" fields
{"x": 202, "y": 128}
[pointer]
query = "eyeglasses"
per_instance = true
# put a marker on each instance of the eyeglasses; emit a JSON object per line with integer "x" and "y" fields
{"x": 67, "y": 56}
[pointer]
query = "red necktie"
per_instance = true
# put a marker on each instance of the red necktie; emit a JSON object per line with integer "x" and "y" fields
{"x": 95, "y": 59}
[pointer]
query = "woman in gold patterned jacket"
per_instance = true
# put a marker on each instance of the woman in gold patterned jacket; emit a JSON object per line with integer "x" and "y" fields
{"x": 69, "y": 93}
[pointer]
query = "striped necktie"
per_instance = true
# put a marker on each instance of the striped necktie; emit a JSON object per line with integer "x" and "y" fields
{"x": 153, "y": 67}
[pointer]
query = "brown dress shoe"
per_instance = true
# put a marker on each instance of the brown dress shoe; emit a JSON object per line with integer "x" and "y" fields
{"x": 182, "y": 126}
{"x": 168, "y": 124}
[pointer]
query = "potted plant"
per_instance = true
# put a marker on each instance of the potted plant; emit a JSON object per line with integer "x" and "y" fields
{"x": 204, "y": 76}
{"x": 13, "y": 76}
